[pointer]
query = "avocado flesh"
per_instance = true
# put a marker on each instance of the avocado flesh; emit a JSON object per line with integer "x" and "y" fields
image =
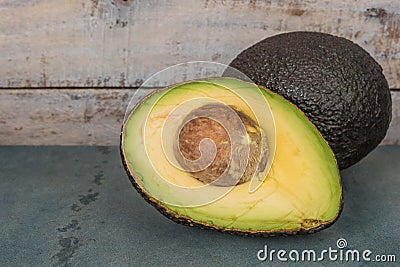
{"x": 301, "y": 192}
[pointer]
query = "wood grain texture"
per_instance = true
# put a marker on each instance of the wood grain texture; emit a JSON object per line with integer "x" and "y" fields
{"x": 85, "y": 117}
{"x": 103, "y": 43}
{"x": 62, "y": 117}
{"x": 393, "y": 134}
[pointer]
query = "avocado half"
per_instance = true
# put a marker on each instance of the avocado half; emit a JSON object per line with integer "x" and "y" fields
{"x": 299, "y": 189}
{"x": 335, "y": 82}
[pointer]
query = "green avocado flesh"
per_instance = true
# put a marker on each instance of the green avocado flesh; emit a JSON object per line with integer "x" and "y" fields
{"x": 299, "y": 191}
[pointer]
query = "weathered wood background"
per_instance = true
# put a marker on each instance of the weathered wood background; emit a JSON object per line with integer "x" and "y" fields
{"x": 49, "y": 49}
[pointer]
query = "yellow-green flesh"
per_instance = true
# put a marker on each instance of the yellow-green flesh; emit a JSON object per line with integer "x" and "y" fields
{"x": 301, "y": 191}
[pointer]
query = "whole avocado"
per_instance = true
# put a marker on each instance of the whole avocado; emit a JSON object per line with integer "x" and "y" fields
{"x": 335, "y": 82}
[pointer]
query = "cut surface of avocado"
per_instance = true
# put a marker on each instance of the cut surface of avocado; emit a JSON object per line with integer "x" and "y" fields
{"x": 299, "y": 187}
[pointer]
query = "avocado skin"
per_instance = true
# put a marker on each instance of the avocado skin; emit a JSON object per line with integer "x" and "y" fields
{"x": 335, "y": 82}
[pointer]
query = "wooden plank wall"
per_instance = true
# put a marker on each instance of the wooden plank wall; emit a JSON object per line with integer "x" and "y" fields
{"x": 84, "y": 117}
{"x": 65, "y": 65}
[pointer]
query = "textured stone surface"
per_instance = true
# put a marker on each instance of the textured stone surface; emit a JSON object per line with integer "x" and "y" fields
{"x": 74, "y": 206}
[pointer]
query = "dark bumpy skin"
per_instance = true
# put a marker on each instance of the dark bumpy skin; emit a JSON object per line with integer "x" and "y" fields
{"x": 336, "y": 83}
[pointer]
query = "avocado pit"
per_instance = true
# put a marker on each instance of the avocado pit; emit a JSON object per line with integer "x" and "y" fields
{"x": 197, "y": 129}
